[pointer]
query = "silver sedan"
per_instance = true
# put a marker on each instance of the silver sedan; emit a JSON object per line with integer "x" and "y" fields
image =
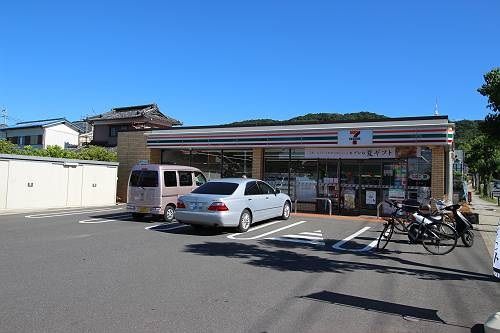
{"x": 232, "y": 202}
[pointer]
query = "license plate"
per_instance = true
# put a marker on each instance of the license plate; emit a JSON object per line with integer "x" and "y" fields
{"x": 143, "y": 210}
{"x": 196, "y": 206}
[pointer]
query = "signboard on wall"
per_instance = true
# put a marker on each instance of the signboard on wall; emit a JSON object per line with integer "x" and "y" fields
{"x": 350, "y": 153}
{"x": 354, "y": 137}
{"x": 371, "y": 197}
{"x": 396, "y": 194}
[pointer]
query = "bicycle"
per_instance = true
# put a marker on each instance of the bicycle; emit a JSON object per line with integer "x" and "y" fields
{"x": 436, "y": 236}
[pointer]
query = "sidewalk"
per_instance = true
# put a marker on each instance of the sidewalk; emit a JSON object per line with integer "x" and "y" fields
{"x": 489, "y": 218}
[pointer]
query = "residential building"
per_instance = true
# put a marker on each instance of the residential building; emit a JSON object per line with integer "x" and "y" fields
{"x": 43, "y": 133}
{"x": 86, "y": 132}
{"x": 107, "y": 125}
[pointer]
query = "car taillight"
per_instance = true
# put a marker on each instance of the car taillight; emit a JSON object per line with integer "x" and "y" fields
{"x": 218, "y": 206}
{"x": 180, "y": 204}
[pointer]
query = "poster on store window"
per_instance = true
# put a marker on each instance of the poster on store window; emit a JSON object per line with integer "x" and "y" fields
{"x": 349, "y": 199}
{"x": 371, "y": 197}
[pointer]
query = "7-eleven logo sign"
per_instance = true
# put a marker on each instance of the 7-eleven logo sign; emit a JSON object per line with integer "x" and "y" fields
{"x": 354, "y": 136}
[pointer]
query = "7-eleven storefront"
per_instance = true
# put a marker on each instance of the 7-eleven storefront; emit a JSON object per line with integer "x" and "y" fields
{"x": 355, "y": 165}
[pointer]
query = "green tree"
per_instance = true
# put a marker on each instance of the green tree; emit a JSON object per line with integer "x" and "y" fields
{"x": 491, "y": 89}
{"x": 483, "y": 158}
{"x": 7, "y": 147}
{"x": 97, "y": 153}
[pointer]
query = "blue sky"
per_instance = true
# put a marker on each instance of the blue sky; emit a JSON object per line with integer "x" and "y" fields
{"x": 213, "y": 62}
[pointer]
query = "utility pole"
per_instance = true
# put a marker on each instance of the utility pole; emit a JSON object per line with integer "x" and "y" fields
{"x": 4, "y": 116}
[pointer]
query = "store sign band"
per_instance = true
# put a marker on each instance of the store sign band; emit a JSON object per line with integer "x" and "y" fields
{"x": 350, "y": 153}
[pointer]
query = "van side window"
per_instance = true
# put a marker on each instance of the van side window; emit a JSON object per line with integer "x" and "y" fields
{"x": 185, "y": 178}
{"x": 170, "y": 178}
{"x": 199, "y": 178}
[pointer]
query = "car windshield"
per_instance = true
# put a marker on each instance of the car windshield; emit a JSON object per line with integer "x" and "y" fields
{"x": 221, "y": 188}
{"x": 144, "y": 178}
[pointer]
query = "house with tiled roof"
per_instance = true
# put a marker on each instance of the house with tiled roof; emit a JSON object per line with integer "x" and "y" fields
{"x": 42, "y": 133}
{"x": 129, "y": 118}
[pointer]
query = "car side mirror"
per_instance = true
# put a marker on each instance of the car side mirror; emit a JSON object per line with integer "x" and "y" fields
{"x": 277, "y": 191}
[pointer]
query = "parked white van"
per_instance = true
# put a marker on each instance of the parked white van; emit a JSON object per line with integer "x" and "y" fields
{"x": 154, "y": 188}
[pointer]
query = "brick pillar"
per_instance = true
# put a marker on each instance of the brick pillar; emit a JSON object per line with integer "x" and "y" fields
{"x": 131, "y": 149}
{"x": 258, "y": 163}
{"x": 438, "y": 172}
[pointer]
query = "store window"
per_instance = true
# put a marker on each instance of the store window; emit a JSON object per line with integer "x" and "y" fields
{"x": 303, "y": 178}
{"x": 208, "y": 161}
{"x": 237, "y": 163}
{"x": 175, "y": 156}
{"x": 276, "y": 168}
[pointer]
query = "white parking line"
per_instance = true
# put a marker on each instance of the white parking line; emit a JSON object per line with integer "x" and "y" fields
{"x": 338, "y": 245}
{"x": 49, "y": 215}
{"x": 297, "y": 240}
{"x": 233, "y": 236}
{"x": 99, "y": 220}
{"x": 166, "y": 227}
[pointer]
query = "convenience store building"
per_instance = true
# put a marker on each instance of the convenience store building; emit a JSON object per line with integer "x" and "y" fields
{"x": 354, "y": 164}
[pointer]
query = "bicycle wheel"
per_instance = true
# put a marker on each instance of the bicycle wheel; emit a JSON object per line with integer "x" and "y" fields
{"x": 439, "y": 238}
{"x": 401, "y": 224}
{"x": 385, "y": 236}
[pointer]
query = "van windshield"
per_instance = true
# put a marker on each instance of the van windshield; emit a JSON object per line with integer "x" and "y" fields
{"x": 144, "y": 178}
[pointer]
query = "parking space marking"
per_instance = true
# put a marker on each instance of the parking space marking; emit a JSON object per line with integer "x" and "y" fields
{"x": 177, "y": 226}
{"x": 99, "y": 220}
{"x": 233, "y": 236}
{"x": 312, "y": 238}
{"x": 338, "y": 245}
{"x": 79, "y": 212}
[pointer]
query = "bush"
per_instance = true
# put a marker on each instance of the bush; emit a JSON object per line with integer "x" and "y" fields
{"x": 87, "y": 153}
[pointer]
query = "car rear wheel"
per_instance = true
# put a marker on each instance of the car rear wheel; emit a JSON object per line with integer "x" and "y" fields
{"x": 168, "y": 215}
{"x": 286, "y": 211}
{"x": 245, "y": 221}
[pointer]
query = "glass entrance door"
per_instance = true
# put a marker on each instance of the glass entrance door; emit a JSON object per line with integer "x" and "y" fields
{"x": 328, "y": 185}
{"x": 349, "y": 187}
{"x": 370, "y": 178}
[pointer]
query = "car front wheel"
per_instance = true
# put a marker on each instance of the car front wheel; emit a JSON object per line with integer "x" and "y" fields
{"x": 245, "y": 221}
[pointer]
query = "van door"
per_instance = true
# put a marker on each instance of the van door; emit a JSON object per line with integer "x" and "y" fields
{"x": 144, "y": 188}
{"x": 169, "y": 188}
{"x": 185, "y": 182}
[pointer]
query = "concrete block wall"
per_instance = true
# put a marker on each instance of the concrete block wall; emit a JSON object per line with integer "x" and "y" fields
{"x": 131, "y": 148}
{"x": 438, "y": 172}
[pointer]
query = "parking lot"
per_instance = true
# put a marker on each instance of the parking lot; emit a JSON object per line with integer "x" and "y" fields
{"x": 97, "y": 270}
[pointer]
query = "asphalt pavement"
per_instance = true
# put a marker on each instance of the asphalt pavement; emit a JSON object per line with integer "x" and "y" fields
{"x": 97, "y": 270}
